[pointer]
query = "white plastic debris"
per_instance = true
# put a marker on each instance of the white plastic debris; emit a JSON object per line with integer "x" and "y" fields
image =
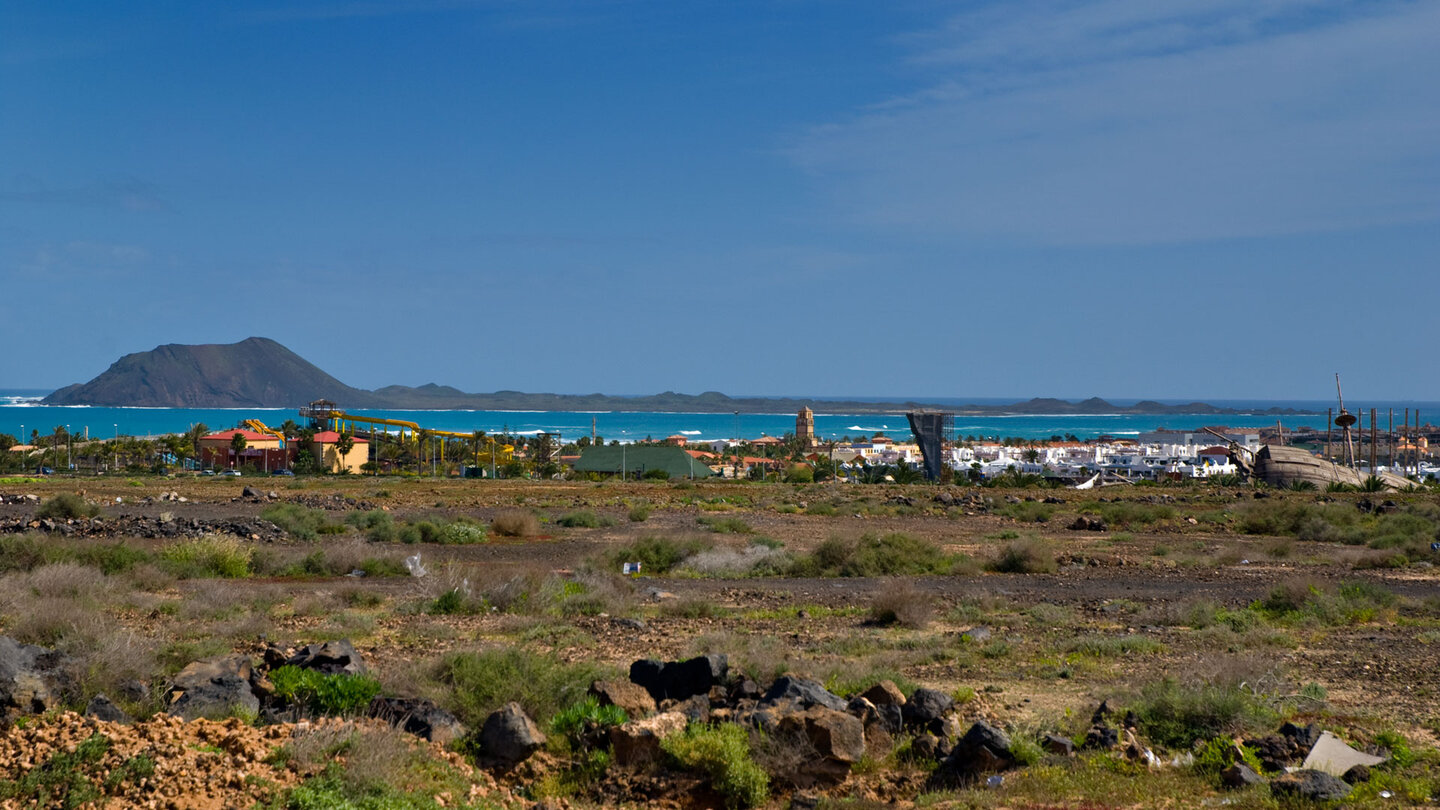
{"x": 414, "y": 566}
{"x": 1331, "y": 755}
{"x": 995, "y": 781}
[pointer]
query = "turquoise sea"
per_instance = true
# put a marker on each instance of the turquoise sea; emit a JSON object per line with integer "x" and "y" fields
{"x": 20, "y": 413}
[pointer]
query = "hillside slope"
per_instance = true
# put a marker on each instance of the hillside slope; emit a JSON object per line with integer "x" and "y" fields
{"x": 254, "y": 373}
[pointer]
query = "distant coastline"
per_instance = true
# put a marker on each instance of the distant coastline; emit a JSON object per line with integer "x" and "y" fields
{"x": 397, "y": 398}
{"x": 260, "y": 373}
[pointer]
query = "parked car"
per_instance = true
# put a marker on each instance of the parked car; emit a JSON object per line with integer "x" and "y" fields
{"x": 281, "y": 472}
{"x": 230, "y": 473}
{"x": 207, "y": 472}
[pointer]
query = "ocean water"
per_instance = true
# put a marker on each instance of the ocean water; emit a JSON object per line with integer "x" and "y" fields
{"x": 20, "y": 413}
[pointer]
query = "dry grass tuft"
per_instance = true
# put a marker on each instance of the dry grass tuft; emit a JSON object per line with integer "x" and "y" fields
{"x": 515, "y": 523}
{"x": 1026, "y": 556}
{"x": 900, "y": 602}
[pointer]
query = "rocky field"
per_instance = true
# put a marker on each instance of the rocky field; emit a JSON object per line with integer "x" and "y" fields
{"x": 358, "y": 642}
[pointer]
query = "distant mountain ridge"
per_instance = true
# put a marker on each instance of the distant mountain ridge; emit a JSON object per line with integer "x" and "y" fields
{"x": 260, "y": 373}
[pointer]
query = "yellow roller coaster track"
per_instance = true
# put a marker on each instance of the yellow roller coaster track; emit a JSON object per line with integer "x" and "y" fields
{"x": 260, "y": 427}
{"x": 338, "y": 420}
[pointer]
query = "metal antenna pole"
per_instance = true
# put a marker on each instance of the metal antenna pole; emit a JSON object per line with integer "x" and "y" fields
{"x": 1345, "y": 420}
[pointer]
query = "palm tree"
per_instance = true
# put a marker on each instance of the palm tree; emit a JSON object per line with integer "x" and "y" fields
{"x": 422, "y": 440}
{"x": 237, "y": 446}
{"x": 197, "y": 432}
{"x": 905, "y": 474}
{"x": 343, "y": 446}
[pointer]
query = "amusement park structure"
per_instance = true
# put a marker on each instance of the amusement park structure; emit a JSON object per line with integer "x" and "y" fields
{"x": 325, "y": 415}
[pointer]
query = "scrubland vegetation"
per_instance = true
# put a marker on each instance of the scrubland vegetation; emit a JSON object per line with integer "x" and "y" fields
{"x": 1196, "y": 613}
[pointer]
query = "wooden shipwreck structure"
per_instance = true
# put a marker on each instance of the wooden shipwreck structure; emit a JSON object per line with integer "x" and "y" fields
{"x": 1281, "y": 466}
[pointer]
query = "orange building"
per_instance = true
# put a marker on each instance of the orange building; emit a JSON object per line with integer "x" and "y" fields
{"x": 325, "y": 446}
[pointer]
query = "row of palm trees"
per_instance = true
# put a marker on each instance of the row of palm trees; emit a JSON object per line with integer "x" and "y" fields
{"x": 61, "y": 449}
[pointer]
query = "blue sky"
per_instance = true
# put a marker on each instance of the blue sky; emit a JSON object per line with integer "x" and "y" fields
{"x": 1125, "y": 198}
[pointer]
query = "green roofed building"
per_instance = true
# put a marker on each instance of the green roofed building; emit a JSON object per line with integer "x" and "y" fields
{"x": 640, "y": 459}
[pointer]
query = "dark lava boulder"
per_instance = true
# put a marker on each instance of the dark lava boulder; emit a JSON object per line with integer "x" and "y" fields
{"x": 419, "y": 717}
{"x": 803, "y": 692}
{"x": 329, "y": 658}
{"x": 213, "y": 688}
{"x": 679, "y": 680}
{"x": 509, "y": 735}
{"x": 33, "y": 679}
{"x": 1316, "y": 786}
{"x": 926, "y": 709}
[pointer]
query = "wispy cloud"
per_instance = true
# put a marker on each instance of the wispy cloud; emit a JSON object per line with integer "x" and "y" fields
{"x": 81, "y": 260}
{"x": 128, "y": 193}
{"x": 1129, "y": 121}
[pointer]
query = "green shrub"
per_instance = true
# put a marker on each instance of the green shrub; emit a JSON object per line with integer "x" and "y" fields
{"x": 658, "y": 555}
{"x": 462, "y": 532}
{"x": 339, "y": 694}
{"x": 584, "y": 519}
{"x": 725, "y": 525}
{"x": 639, "y": 513}
{"x": 1220, "y": 753}
{"x": 1177, "y": 715}
{"x": 482, "y": 682}
{"x": 1350, "y": 603}
{"x": 455, "y": 602}
{"x": 1114, "y": 646}
{"x": 66, "y": 506}
{"x": 1406, "y": 530}
{"x": 300, "y": 522}
{"x": 111, "y": 558}
{"x": 340, "y": 788}
{"x": 383, "y": 567}
{"x": 208, "y": 556}
{"x": 1028, "y": 511}
{"x": 1026, "y": 751}
{"x": 1128, "y": 514}
{"x": 420, "y": 531}
{"x": 63, "y": 780}
{"x": 377, "y": 524}
{"x": 800, "y": 474}
{"x": 722, "y": 752}
{"x": 894, "y": 554}
{"x": 577, "y": 718}
{"x": 1401, "y": 754}
{"x": 23, "y": 552}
